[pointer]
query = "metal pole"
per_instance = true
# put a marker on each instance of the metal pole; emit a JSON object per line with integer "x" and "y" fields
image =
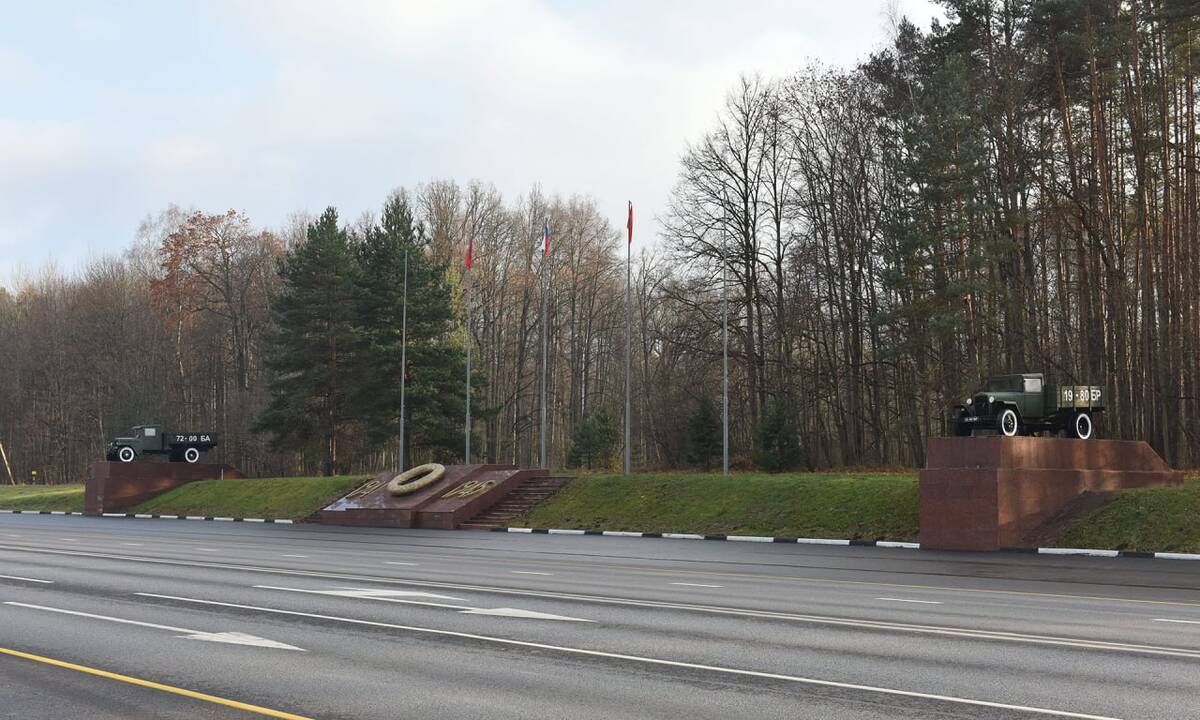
{"x": 467, "y": 427}
{"x": 545, "y": 293}
{"x": 4, "y": 456}
{"x": 403, "y": 356}
{"x": 724, "y": 357}
{"x": 628, "y": 380}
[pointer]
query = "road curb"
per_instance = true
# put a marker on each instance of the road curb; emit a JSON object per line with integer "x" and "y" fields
{"x": 151, "y": 516}
{"x": 844, "y": 542}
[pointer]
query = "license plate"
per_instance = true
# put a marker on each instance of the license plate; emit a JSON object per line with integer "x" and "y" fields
{"x": 971, "y": 418}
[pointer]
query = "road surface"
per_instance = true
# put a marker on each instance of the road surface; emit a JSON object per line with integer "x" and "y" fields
{"x": 131, "y": 618}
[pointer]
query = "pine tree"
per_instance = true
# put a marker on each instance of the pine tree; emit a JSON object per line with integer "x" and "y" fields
{"x": 777, "y": 444}
{"x": 310, "y": 348}
{"x": 594, "y": 443}
{"x": 433, "y": 395}
{"x": 703, "y": 434}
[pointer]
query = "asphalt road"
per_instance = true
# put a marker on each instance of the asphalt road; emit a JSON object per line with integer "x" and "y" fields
{"x": 322, "y": 622}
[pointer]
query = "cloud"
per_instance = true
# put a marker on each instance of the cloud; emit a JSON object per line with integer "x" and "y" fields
{"x": 286, "y": 105}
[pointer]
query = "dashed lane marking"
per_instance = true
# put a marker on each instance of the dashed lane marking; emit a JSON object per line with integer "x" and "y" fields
{"x": 661, "y": 662}
{"x": 908, "y": 600}
{"x": 698, "y": 585}
{"x": 27, "y": 579}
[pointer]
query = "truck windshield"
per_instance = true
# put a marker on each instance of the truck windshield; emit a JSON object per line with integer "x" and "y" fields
{"x": 1011, "y": 383}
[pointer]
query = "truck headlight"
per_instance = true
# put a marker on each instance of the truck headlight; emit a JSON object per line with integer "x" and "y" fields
{"x": 991, "y": 398}
{"x": 968, "y": 401}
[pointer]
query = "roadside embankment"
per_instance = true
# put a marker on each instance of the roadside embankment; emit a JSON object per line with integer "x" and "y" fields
{"x": 1151, "y": 519}
{"x": 68, "y": 498}
{"x": 285, "y": 498}
{"x": 868, "y": 505}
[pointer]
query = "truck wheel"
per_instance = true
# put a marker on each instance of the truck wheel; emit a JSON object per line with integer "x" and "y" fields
{"x": 126, "y": 454}
{"x": 1082, "y": 426}
{"x": 1008, "y": 423}
{"x": 191, "y": 455}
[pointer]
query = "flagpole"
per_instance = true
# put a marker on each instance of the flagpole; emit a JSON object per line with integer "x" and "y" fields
{"x": 403, "y": 356}
{"x": 467, "y": 425}
{"x": 545, "y": 294}
{"x": 628, "y": 414}
{"x": 724, "y": 354}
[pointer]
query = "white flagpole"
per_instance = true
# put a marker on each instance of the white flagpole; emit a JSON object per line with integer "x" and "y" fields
{"x": 724, "y": 354}
{"x": 403, "y": 356}
{"x": 545, "y": 294}
{"x": 628, "y": 414}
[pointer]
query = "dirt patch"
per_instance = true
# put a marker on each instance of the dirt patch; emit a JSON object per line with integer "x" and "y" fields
{"x": 1050, "y": 533}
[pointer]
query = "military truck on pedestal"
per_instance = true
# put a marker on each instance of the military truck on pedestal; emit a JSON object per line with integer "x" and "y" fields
{"x": 154, "y": 440}
{"x": 1026, "y": 405}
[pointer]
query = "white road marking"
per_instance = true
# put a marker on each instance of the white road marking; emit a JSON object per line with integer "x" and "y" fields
{"x": 393, "y": 562}
{"x": 235, "y": 638}
{"x": 519, "y": 613}
{"x": 654, "y": 661}
{"x": 697, "y": 585}
{"x": 923, "y": 602}
{"x": 204, "y": 549}
{"x": 294, "y": 556}
{"x": 26, "y": 579}
{"x": 67, "y": 539}
{"x": 133, "y": 544}
{"x": 395, "y": 596}
{"x": 529, "y": 572}
{"x": 1183, "y": 622}
{"x": 948, "y": 631}
{"x": 13, "y": 536}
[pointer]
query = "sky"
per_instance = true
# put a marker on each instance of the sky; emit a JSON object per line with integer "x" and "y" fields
{"x": 110, "y": 112}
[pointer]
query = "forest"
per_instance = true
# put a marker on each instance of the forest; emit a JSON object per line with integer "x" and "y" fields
{"x": 1015, "y": 189}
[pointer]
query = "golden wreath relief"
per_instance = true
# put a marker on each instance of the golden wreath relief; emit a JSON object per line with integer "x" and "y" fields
{"x": 413, "y": 480}
{"x": 470, "y": 488}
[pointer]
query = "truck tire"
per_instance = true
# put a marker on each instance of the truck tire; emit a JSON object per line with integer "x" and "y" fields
{"x": 191, "y": 455}
{"x": 1082, "y": 427}
{"x": 1008, "y": 423}
{"x": 125, "y": 454}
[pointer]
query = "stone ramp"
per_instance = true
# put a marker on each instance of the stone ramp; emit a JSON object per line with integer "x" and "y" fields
{"x": 464, "y": 492}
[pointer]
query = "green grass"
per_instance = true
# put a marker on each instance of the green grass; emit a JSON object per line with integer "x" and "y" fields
{"x": 1152, "y": 519}
{"x": 282, "y": 498}
{"x": 42, "y": 497}
{"x": 838, "y": 505}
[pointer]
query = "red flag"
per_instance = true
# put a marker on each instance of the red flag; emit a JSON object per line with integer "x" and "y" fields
{"x": 630, "y": 222}
{"x": 470, "y": 250}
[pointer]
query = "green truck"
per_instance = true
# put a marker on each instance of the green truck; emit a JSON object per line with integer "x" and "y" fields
{"x": 1026, "y": 404}
{"x": 154, "y": 440}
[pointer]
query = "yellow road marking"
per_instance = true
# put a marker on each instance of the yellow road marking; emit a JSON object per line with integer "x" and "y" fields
{"x": 154, "y": 686}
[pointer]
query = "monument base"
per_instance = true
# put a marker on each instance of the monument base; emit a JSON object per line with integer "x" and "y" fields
{"x": 991, "y": 493}
{"x": 118, "y": 486}
{"x": 463, "y": 492}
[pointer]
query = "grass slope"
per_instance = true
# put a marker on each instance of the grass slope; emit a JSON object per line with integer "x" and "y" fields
{"x": 1153, "y": 519}
{"x": 260, "y": 498}
{"x": 838, "y": 505}
{"x": 42, "y": 497}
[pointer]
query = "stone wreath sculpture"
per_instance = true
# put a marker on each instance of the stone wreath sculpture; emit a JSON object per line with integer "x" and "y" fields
{"x": 413, "y": 480}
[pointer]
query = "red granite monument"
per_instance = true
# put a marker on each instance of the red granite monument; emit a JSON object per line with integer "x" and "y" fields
{"x": 988, "y": 493}
{"x": 461, "y": 493}
{"x": 118, "y": 486}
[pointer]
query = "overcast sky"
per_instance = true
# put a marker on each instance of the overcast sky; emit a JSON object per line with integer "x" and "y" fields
{"x": 111, "y": 111}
